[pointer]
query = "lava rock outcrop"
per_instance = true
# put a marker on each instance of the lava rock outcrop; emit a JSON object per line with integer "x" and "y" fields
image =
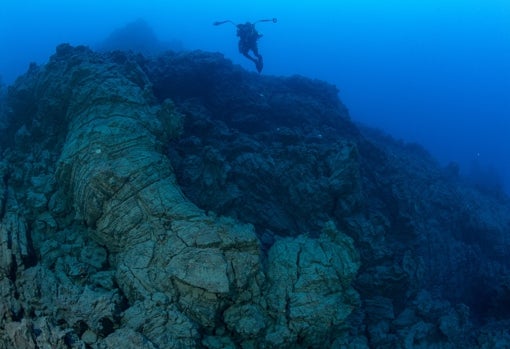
{"x": 182, "y": 202}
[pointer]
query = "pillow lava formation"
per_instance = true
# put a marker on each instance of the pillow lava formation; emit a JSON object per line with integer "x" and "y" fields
{"x": 100, "y": 248}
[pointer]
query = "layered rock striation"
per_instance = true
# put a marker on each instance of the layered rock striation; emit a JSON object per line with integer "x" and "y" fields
{"x": 103, "y": 249}
{"x": 181, "y": 202}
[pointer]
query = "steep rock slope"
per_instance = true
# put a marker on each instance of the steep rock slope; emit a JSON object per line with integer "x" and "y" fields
{"x": 283, "y": 155}
{"x": 182, "y": 202}
{"x": 101, "y": 248}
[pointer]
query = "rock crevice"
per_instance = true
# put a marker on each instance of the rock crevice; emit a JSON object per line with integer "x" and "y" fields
{"x": 181, "y": 202}
{"x": 156, "y": 265}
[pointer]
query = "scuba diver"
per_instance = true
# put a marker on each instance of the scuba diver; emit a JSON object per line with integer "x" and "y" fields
{"x": 248, "y": 37}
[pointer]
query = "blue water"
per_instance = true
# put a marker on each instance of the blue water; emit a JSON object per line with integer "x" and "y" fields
{"x": 435, "y": 72}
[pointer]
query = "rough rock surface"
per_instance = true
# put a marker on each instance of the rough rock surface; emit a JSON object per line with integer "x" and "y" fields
{"x": 106, "y": 251}
{"x": 181, "y": 202}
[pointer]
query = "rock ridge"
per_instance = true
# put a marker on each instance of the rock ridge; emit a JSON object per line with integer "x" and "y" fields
{"x": 120, "y": 250}
{"x": 181, "y": 202}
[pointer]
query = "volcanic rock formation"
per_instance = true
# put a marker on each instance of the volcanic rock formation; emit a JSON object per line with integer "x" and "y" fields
{"x": 181, "y": 202}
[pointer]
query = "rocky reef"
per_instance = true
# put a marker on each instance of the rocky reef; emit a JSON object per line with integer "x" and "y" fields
{"x": 179, "y": 201}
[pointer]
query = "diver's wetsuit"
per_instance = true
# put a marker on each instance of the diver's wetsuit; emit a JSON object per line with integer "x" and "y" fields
{"x": 248, "y": 37}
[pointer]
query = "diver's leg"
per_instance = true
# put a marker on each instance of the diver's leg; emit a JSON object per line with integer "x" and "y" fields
{"x": 259, "y": 63}
{"x": 255, "y": 50}
{"x": 245, "y": 52}
{"x": 254, "y": 60}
